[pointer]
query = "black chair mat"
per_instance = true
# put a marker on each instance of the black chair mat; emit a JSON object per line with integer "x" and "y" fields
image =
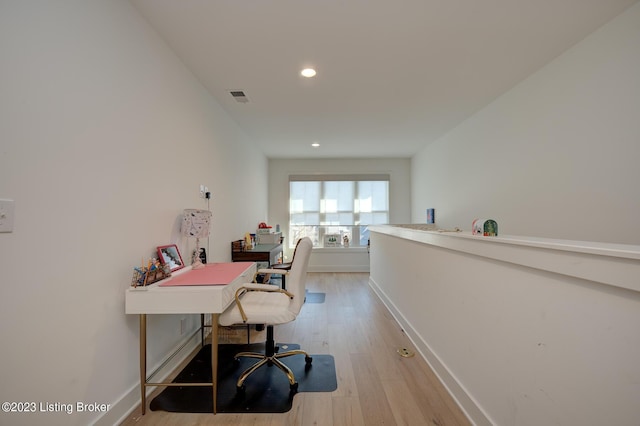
{"x": 314, "y": 297}
{"x": 266, "y": 390}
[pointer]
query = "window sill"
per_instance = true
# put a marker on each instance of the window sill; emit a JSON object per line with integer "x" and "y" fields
{"x": 340, "y": 249}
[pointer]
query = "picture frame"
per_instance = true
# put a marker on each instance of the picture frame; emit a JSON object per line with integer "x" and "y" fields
{"x": 170, "y": 255}
{"x": 431, "y": 216}
{"x": 332, "y": 240}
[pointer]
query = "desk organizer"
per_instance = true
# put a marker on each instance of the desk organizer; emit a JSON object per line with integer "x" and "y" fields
{"x": 145, "y": 276}
{"x": 237, "y": 246}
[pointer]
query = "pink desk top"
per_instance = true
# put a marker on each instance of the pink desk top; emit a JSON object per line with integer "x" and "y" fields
{"x": 211, "y": 274}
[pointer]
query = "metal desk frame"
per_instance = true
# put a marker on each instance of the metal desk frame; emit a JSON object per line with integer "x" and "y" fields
{"x": 154, "y": 299}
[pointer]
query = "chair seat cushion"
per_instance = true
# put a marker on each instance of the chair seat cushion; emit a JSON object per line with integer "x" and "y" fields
{"x": 269, "y": 308}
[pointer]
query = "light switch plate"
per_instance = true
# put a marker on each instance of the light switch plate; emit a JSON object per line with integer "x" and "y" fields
{"x": 7, "y": 207}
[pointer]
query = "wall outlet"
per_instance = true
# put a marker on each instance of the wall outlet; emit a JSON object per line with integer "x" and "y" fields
{"x": 183, "y": 325}
{"x": 203, "y": 191}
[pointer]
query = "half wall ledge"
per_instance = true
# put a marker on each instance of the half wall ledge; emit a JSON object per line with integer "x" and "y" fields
{"x": 616, "y": 265}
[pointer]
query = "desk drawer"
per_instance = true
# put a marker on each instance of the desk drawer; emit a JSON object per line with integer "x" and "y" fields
{"x": 229, "y": 292}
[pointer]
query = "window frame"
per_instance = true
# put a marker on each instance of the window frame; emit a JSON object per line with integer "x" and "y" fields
{"x": 355, "y": 230}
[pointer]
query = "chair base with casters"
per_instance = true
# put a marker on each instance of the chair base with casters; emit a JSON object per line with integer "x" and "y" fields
{"x": 271, "y": 357}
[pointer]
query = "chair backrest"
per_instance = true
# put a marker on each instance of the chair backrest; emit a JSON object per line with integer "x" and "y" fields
{"x": 297, "y": 278}
{"x": 295, "y": 250}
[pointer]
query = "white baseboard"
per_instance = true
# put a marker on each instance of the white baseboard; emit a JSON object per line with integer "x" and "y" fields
{"x": 468, "y": 405}
{"x": 338, "y": 268}
{"x": 130, "y": 400}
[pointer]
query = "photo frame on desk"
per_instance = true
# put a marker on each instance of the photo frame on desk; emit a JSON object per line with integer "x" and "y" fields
{"x": 170, "y": 255}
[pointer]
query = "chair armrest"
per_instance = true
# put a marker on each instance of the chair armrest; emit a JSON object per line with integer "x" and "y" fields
{"x": 256, "y": 287}
{"x": 273, "y": 271}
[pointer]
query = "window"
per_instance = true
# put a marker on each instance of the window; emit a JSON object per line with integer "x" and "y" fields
{"x": 327, "y": 208}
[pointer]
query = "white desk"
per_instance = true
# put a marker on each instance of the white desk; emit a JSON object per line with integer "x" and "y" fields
{"x": 187, "y": 299}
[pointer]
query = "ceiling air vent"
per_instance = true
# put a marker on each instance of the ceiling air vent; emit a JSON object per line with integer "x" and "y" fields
{"x": 239, "y": 96}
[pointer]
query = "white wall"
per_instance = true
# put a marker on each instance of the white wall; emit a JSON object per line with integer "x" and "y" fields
{"x": 105, "y": 138}
{"x": 554, "y": 157}
{"x": 334, "y": 260}
{"x": 518, "y": 333}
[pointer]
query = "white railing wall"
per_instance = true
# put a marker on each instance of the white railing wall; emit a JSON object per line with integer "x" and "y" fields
{"x": 521, "y": 330}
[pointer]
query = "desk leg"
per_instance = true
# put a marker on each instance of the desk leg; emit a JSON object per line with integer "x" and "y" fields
{"x": 214, "y": 359}
{"x": 143, "y": 362}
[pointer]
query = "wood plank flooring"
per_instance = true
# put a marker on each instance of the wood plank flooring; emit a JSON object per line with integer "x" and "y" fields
{"x": 376, "y": 386}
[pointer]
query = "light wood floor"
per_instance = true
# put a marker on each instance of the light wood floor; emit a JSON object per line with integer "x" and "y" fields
{"x": 376, "y": 386}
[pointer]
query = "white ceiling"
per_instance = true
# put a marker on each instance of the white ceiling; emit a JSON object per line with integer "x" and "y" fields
{"x": 393, "y": 76}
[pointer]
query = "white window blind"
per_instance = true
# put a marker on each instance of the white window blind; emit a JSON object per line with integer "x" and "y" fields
{"x": 337, "y": 205}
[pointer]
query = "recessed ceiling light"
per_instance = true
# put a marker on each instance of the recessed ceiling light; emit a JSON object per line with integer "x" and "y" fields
{"x": 315, "y": 144}
{"x": 308, "y": 72}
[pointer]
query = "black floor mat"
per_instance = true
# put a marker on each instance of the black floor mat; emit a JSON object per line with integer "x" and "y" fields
{"x": 314, "y": 297}
{"x": 267, "y": 389}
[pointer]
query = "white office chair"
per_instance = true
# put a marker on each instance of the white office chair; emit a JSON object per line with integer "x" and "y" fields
{"x": 268, "y": 304}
